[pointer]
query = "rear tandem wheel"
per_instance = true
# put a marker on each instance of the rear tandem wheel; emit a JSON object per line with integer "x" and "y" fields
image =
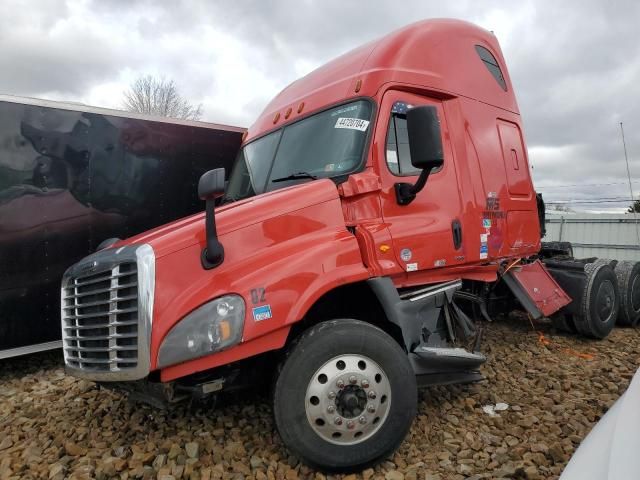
{"x": 598, "y": 308}
{"x": 628, "y": 275}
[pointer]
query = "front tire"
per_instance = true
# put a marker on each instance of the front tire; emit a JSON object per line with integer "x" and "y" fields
{"x": 345, "y": 396}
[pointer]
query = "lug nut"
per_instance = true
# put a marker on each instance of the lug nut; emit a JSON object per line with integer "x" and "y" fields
{"x": 331, "y": 395}
{"x": 331, "y": 409}
{"x": 337, "y": 420}
{"x": 351, "y": 424}
{"x": 340, "y": 383}
{"x": 362, "y": 419}
{"x": 372, "y": 394}
{"x": 371, "y": 409}
{"x": 352, "y": 379}
{"x": 365, "y": 383}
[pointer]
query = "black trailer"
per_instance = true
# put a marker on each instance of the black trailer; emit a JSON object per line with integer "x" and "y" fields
{"x": 72, "y": 176}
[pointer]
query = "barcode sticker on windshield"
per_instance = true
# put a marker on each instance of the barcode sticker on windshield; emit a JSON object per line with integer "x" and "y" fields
{"x": 352, "y": 123}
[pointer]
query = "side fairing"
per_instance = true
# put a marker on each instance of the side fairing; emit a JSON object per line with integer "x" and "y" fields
{"x": 280, "y": 265}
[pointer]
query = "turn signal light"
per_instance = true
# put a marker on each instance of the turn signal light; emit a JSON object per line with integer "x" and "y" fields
{"x": 225, "y": 330}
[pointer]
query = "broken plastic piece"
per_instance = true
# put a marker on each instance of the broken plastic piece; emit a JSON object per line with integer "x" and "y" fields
{"x": 492, "y": 409}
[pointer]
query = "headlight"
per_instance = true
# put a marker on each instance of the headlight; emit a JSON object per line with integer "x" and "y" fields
{"x": 212, "y": 327}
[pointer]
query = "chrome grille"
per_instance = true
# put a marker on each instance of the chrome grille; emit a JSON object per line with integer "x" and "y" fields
{"x": 107, "y": 299}
{"x": 101, "y": 319}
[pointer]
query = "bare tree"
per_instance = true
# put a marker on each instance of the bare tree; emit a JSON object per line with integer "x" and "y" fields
{"x": 159, "y": 96}
{"x": 560, "y": 207}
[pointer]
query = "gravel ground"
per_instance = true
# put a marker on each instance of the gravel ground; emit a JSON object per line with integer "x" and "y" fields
{"x": 54, "y": 426}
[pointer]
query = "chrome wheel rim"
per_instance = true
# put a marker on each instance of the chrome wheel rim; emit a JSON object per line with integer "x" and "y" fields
{"x": 348, "y": 399}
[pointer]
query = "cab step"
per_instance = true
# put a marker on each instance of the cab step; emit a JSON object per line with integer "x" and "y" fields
{"x": 450, "y": 357}
{"x": 445, "y": 365}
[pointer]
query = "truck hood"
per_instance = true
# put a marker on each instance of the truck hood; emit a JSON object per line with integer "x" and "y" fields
{"x": 190, "y": 230}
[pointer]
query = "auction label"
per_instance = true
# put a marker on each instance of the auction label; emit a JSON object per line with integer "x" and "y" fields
{"x": 352, "y": 123}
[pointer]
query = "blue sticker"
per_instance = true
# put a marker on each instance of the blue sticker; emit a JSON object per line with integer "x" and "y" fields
{"x": 400, "y": 108}
{"x": 262, "y": 313}
{"x": 484, "y": 248}
{"x": 405, "y": 254}
{"x": 486, "y": 222}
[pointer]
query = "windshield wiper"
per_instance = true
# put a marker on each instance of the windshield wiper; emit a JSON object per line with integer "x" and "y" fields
{"x": 295, "y": 176}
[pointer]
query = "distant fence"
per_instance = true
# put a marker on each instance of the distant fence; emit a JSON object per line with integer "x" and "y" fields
{"x": 596, "y": 235}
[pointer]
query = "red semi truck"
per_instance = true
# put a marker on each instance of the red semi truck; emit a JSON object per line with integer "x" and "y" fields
{"x": 377, "y": 207}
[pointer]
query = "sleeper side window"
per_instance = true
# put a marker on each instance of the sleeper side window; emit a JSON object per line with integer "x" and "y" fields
{"x": 492, "y": 65}
{"x": 397, "y": 150}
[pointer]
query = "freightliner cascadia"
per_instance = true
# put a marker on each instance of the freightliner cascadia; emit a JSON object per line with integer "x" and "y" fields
{"x": 374, "y": 206}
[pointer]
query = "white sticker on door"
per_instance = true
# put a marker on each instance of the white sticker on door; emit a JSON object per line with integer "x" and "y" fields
{"x": 352, "y": 123}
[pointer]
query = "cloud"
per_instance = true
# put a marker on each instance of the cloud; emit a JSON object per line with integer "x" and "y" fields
{"x": 575, "y": 65}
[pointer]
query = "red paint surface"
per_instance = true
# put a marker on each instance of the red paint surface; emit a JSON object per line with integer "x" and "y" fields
{"x": 298, "y": 243}
{"x": 541, "y": 287}
{"x": 297, "y": 250}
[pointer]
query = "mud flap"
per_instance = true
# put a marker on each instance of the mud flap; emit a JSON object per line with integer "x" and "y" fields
{"x": 536, "y": 290}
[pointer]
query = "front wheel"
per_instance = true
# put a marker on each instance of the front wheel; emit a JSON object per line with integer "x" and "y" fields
{"x": 345, "y": 397}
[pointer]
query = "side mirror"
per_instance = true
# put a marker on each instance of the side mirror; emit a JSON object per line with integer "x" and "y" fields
{"x": 425, "y": 145}
{"x": 211, "y": 184}
{"x": 425, "y": 140}
{"x": 210, "y": 187}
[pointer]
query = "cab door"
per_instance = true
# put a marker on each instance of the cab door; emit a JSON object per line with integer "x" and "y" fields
{"x": 427, "y": 233}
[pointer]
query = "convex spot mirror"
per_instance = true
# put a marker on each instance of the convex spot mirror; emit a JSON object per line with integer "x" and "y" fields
{"x": 425, "y": 140}
{"x": 425, "y": 145}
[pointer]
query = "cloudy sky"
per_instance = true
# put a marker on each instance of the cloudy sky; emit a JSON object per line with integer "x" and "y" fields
{"x": 575, "y": 65}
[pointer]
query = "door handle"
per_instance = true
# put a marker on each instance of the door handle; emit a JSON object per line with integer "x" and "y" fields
{"x": 456, "y": 230}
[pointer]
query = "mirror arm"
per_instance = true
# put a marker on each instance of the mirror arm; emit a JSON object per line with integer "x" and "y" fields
{"x": 406, "y": 192}
{"x": 213, "y": 254}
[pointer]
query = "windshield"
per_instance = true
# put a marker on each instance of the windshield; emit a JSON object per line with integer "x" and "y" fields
{"x": 327, "y": 144}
